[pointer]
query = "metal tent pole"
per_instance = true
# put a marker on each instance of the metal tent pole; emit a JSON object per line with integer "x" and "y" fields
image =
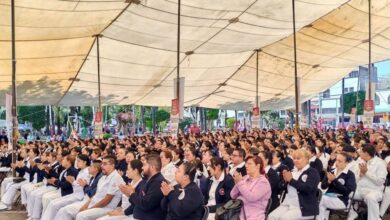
{"x": 295, "y": 73}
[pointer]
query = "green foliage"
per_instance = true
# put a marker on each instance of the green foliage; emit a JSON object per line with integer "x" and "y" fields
{"x": 107, "y": 136}
{"x": 36, "y": 115}
{"x": 212, "y": 114}
{"x": 185, "y": 122}
{"x": 2, "y": 114}
{"x": 162, "y": 115}
{"x": 87, "y": 114}
{"x": 230, "y": 122}
{"x": 350, "y": 102}
{"x": 273, "y": 119}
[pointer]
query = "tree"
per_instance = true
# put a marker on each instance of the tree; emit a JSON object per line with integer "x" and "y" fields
{"x": 212, "y": 114}
{"x": 349, "y": 102}
{"x": 33, "y": 114}
{"x": 87, "y": 114}
{"x": 230, "y": 122}
{"x": 186, "y": 122}
{"x": 162, "y": 115}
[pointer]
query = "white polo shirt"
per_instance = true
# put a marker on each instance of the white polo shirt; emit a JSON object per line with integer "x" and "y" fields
{"x": 78, "y": 191}
{"x": 108, "y": 185}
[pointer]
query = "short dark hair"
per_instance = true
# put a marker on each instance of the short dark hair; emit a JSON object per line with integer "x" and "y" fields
{"x": 85, "y": 158}
{"x": 370, "y": 149}
{"x": 241, "y": 152}
{"x": 154, "y": 160}
{"x": 217, "y": 161}
{"x": 111, "y": 159}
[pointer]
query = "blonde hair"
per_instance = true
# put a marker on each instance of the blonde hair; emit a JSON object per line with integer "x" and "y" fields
{"x": 302, "y": 152}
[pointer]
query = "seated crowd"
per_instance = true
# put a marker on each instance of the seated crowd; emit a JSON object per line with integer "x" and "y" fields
{"x": 277, "y": 174}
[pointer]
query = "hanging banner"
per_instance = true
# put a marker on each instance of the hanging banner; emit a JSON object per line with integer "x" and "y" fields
{"x": 181, "y": 95}
{"x": 175, "y": 117}
{"x": 352, "y": 119}
{"x": 8, "y": 119}
{"x": 256, "y": 118}
{"x": 368, "y": 116}
{"x": 98, "y": 128}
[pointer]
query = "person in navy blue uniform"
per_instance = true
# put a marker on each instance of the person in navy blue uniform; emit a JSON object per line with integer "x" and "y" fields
{"x": 185, "y": 200}
{"x": 219, "y": 185}
{"x": 339, "y": 184}
{"x": 273, "y": 178}
{"x": 315, "y": 162}
{"x": 95, "y": 171}
{"x": 70, "y": 170}
{"x": 301, "y": 200}
{"x": 147, "y": 202}
{"x": 121, "y": 165}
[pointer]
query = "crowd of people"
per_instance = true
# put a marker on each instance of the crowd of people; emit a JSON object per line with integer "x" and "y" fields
{"x": 277, "y": 174}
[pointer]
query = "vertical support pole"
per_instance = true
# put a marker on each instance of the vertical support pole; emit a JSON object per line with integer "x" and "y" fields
{"x": 342, "y": 101}
{"x": 295, "y": 73}
{"x": 309, "y": 112}
{"x": 257, "y": 78}
{"x": 178, "y": 51}
{"x": 369, "y": 51}
{"x": 98, "y": 72}
{"x": 13, "y": 110}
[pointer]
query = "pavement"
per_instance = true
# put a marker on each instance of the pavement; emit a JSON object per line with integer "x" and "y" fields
{"x": 21, "y": 215}
{"x": 13, "y": 215}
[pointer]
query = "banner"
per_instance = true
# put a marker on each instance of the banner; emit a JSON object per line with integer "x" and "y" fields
{"x": 8, "y": 119}
{"x": 175, "y": 117}
{"x": 256, "y": 118}
{"x": 98, "y": 128}
{"x": 368, "y": 116}
{"x": 352, "y": 118}
{"x": 181, "y": 95}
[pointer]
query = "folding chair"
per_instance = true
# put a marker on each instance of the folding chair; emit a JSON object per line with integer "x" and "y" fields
{"x": 268, "y": 208}
{"x": 319, "y": 197}
{"x": 342, "y": 213}
{"x": 206, "y": 213}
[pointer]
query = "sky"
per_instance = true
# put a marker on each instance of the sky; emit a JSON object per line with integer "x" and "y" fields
{"x": 383, "y": 68}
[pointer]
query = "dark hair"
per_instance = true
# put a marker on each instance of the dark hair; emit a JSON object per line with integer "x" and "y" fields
{"x": 190, "y": 169}
{"x": 97, "y": 151}
{"x": 97, "y": 164}
{"x": 312, "y": 150}
{"x": 35, "y": 150}
{"x": 111, "y": 159}
{"x": 257, "y": 160}
{"x": 70, "y": 158}
{"x": 85, "y": 158}
{"x": 136, "y": 165}
{"x": 347, "y": 157}
{"x": 154, "y": 160}
{"x": 241, "y": 152}
{"x": 370, "y": 149}
{"x": 278, "y": 154}
{"x": 217, "y": 161}
{"x": 192, "y": 150}
{"x": 267, "y": 155}
{"x": 89, "y": 151}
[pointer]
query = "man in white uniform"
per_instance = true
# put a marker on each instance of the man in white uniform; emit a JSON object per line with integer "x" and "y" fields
{"x": 106, "y": 198}
{"x": 82, "y": 162}
{"x": 371, "y": 183}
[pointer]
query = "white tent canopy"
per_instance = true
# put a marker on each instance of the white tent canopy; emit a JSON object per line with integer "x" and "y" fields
{"x": 57, "y": 54}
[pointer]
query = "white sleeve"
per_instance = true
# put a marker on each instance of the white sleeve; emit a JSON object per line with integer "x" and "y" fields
{"x": 113, "y": 187}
